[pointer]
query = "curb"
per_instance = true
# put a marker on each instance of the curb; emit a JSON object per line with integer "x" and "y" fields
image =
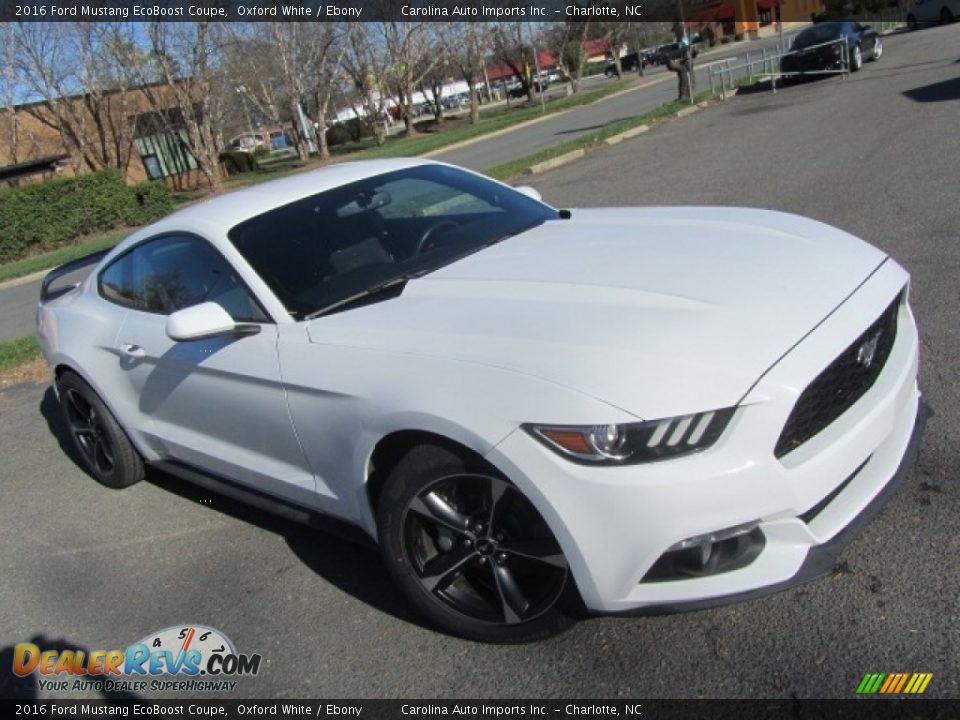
{"x": 555, "y": 162}
{"x": 626, "y": 134}
{"x": 683, "y": 112}
{"x": 24, "y": 279}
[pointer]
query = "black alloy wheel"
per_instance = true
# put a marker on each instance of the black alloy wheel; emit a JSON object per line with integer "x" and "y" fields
{"x": 89, "y": 432}
{"x": 103, "y": 446}
{"x": 471, "y": 550}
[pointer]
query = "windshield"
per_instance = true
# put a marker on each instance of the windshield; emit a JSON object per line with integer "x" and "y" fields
{"x": 820, "y": 33}
{"x": 323, "y": 250}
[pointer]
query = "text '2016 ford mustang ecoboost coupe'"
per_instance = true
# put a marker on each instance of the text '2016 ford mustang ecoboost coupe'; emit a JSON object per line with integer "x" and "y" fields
{"x": 532, "y": 411}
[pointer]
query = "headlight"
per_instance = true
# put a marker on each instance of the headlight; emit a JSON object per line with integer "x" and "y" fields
{"x": 633, "y": 443}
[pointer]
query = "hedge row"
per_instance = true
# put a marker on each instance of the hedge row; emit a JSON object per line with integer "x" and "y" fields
{"x": 45, "y": 215}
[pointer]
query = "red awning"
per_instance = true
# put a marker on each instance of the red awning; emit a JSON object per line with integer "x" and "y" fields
{"x": 716, "y": 14}
{"x": 724, "y": 12}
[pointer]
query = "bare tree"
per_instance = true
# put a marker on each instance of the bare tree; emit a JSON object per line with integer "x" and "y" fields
{"x": 366, "y": 65}
{"x": 187, "y": 58}
{"x": 442, "y": 69}
{"x": 566, "y": 40}
{"x": 307, "y": 54}
{"x": 281, "y": 68}
{"x": 615, "y": 34}
{"x": 325, "y": 80}
{"x": 511, "y": 48}
{"x": 466, "y": 44}
{"x": 84, "y": 95}
{"x": 10, "y": 133}
{"x": 411, "y": 56}
{"x": 251, "y": 63}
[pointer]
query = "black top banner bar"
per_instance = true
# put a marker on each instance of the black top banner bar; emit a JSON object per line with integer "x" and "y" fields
{"x": 343, "y": 10}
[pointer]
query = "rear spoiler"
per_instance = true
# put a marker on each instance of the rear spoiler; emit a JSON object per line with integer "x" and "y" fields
{"x": 47, "y": 289}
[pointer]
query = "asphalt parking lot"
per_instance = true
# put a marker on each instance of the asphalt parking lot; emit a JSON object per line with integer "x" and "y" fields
{"x": 877, "y": 155}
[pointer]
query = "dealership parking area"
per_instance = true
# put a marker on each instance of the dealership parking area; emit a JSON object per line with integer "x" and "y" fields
{"x": 876, "y": 154}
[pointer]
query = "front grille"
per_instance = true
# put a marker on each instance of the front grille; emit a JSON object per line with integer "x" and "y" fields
{"x": 841, "y": 384}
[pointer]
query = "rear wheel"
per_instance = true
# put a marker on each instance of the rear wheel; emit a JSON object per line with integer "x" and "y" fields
{"x": 945, "y": 15}
{"x": 877, "y": 50}
{"x": 471, "y": 551}
{"x": 911, "y": 22}
{"x": 103, "y": 446}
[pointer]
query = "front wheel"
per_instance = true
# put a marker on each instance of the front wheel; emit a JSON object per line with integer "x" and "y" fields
{"x": 856, "y": 58}
{"x": 912, "y": 22}
{"x": 877, "y": 50}
{"x": 945, "y": 15}
{"x": 471, "y": 552}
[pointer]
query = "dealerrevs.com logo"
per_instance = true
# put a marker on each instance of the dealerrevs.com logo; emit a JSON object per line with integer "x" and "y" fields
{"x": 187, "y": 658}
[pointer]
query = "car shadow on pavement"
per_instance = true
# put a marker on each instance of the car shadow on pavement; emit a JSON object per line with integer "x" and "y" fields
{"x": 334, "y": 551}
{"x": 50, "y": 411}
{"x": 339, "y": 553}
{"x": 942, "y": 91}
{"x": 14, "y": 687}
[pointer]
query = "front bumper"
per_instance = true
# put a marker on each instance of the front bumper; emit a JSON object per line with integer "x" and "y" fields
{"x": 614, "y": 523}
{"x": 821, "y": 559}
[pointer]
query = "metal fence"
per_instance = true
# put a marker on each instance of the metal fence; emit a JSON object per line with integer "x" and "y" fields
{"x": 724, "y": 75}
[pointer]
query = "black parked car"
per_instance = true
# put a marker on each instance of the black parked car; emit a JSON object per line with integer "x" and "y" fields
{"x": 820, "y": 47}
{"x": 628, "y": 63}
{"x": 674, "y": 51}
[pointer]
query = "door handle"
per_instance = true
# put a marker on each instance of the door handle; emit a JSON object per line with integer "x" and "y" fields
{"x": 133, "y": 351}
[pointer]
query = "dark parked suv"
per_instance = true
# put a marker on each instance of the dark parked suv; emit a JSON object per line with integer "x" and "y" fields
{"x": 673, "y": 51}
{"x": 629, "y": 63}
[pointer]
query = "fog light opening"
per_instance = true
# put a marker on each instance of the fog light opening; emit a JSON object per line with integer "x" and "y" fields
{"x": 709, "y": 554}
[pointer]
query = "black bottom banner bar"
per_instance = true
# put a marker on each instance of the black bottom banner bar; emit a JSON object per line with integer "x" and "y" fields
{"x": 868, "y": 709}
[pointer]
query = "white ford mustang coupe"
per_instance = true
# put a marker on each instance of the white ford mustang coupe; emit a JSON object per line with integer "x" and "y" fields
{"x": 534, "y": 412}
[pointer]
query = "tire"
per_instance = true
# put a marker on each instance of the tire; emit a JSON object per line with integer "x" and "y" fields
{"x": 104, "y": 448}
{"x": 471, "y": 552}
{"x": 877, "y": 50}
{"x": 945, "y": 15}
{"x": 856, "y": 58}
{"x": 911, "y": 22}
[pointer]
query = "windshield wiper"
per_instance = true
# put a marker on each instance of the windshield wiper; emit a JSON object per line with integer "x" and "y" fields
{"x": 387, "y": 287}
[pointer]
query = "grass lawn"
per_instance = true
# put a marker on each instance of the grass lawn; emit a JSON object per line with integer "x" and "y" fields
{"x": 83, "y": 246}
{"x": 16, "y": 352}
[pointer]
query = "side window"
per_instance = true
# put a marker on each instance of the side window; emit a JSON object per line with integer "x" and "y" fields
{"x": 177, "y": 271}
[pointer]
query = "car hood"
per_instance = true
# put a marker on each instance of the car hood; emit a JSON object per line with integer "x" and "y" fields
{"x": 659, "y": 311}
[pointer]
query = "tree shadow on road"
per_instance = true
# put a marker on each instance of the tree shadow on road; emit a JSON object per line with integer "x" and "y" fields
{"x": 942, "y": 91}
{"x": 340, "y": 553}
{"x": 588, "y": 128}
